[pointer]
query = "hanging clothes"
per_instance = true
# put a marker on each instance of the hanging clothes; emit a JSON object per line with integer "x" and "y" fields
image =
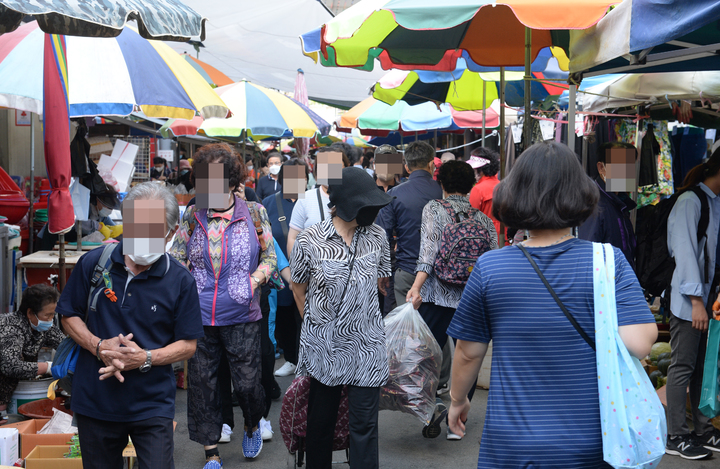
{"x": 510, "y": 150}
{"x": 690, "y": 150}
{"x": 648, "y": 173}
{"x": 79, "y": 152}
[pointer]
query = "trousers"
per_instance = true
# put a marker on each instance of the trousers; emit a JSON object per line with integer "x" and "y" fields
{"x": 323, "y": 404}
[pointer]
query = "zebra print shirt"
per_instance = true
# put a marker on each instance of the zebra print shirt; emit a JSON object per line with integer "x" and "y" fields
{"x": 342, "y": 341}
{"x": 434, "y": 220}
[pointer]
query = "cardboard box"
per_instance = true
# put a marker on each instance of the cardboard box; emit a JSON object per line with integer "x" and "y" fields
{"x": 29, "y": 438}
{"x": 51, "y": 457}
{"x": 9, "y": 451}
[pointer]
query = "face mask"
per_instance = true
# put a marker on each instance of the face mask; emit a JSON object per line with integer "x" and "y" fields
{"x": 42, "y": 326}
{"x": 144, "y": 259}
{"x": 274, "y": 170}
{"x": 105, "y": 212}
{"x": 184, "y": 172}
{"x": 159, "y": 168}
{"x": 367, "y": 216}
{"x": 250, "y": 167}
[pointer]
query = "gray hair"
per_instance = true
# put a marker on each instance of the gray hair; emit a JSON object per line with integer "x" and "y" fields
{"x": 154, "y": 191}
{"x": 418, "y": 155}
{"x": 386, "y": 149}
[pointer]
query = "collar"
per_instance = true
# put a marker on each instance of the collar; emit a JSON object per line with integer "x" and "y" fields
{"x": 156, "y": 270}
{"x": 621, "y": 200}
{"x": 420, "y": 173}
{"x": 707, "y": 190}
{"x": 327, "y": 229}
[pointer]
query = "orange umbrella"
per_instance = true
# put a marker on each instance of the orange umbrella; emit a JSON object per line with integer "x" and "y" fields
{"x": 211, "y": 74}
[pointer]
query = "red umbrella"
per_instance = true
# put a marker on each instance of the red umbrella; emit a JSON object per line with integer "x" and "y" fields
{"x": 61, "y": 216}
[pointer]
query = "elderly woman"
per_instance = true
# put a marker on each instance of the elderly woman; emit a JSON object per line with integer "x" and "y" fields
{"x": 543, "y": 407}
{"x": 336, "y": 266}
{"x": 23, "y": 334}
{"x": 227, "y": 244}
{"x": 435, "y": 299}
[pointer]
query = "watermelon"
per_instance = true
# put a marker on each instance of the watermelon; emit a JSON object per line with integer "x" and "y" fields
{"x": 654, "y": 376}
{"x": 663, "y": 366}
{"x": 657, "y": 349}
{"x": 663, "y": 356}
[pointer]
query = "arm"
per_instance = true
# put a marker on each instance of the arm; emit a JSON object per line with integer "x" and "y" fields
{"x": 292, "y": 236}
{"x": 53, "y": 337}
{"x": 134, "y": 357}
{"x": 285, "y": 274}
{"x": 430, "y": 233}
{"x": 300, "y": 273}
{"x": 465, "y": 368}
{"x": 299, "y": 293}
{"x": 297, "y": 223}
{"x": 268, "y": 259}
{"x": 12, "y": 362}
{"x": 639, "y": 338}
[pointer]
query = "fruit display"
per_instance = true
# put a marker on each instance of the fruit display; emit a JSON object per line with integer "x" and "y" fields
{"x": 658, "y": 364}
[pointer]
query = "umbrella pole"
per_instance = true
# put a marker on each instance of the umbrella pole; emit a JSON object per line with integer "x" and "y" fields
{"x": 31, "y": 217}
{"x": 483, "y": 111}
{"x": 61, "y": 263}
{"x": 503, "y": 150}
{"x": 78, "y": 230}
{"x": 571, "y": 117}
{"x": 528, "y": 54}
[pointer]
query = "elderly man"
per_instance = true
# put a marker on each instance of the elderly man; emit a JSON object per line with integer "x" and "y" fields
{"x": 134, "y": 311}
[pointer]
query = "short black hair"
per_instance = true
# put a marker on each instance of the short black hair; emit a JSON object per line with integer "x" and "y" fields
{"x": 36, "y": 297}
{"x": 274, "y": 154}
{"x": 348, "y": 150}
{"x": 419, "y": 155}
{"x": 336, "y": 148}
{"x": 159, "y": 160}
{"x": 456, "y": 177}
{"x": 602, "y": 149}
{"x": 546, "y": 189}
{"x": 492, "y": 168}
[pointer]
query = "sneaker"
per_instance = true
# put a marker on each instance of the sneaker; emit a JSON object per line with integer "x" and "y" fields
{"x": 432, "y": 430}
{"x": 710, "y": 440}
{"x": 686, "y": 447}
{"x": 442, "y": 390}
{"x": 266, "y": 429}
{"x": 225, "y": 435}
{"x": 453, "y": 436}
{"x": 213, "y": 462}
{"x": 286, "y": 370}
{"x": 252, "y": 445}
{"x": 277, "y": 355}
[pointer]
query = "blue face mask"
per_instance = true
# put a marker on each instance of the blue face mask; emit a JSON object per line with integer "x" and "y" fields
{"x": 42, "y": 326}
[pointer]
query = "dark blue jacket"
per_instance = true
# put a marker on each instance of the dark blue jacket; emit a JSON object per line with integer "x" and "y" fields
{"x": 611, "y": 222}
{"x": 266, "y": 186}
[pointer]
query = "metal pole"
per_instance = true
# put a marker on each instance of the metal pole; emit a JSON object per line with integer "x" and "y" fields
{"x": 78, "y": 231}
{"x": 61, "y": 274}
{"x": 483, "y": 111}
{"x": 571, "y": 118}
{"x": 31, "y": 217}
{"x": 503, "y": 150}
{"x": 528, "y": 54}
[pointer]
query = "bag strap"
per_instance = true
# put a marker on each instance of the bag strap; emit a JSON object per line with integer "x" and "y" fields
{"x": 572, "y": 320}
{"x": 281, "y": 211}
{"x": 322, "y": 211}
{"x": 101, "y": 268}
{"x": 451, "y": 211}
{"x": 258, "y": 225}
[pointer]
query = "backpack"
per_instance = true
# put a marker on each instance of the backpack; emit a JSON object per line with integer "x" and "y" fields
{"x": 655, "y": 267}
{"x": 461, "y": 244}
{"x": 68, "y": 351}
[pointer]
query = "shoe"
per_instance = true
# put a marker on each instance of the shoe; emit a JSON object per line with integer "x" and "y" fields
{"x": 252, "y": 445}
{"x": 453, "y": 436}
{"x": 442, "y": 390}
{"x": 275, "y": 391}
{"x": 286, "y": 370}
{"x": 213, "y": 462}
{"x": 710, "y": 440}
{"x": 277, "y": 355}
{"x": 225, "y": 435}
{"x": 266, "y": 429}
{"x": 432, "y": 430}
{"x": 686, "y": 447}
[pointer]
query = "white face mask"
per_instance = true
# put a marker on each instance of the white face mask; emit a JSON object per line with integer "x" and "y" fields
{"x": 144, "y": 259}
{"x": 105, "y": 212}
{"x": 250, "y": 167}
{"x": 275, "y": 170}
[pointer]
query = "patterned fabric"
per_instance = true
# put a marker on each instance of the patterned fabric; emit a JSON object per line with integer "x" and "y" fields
{"x": 293, "y": 417}
{"x": 650, "y": 195}
{"x": 160, "y": 19}
{"x": 434, "y": 220}
{"x": 217, "y": 222}
{"x": 242, "y": 348}
{"x": 19, "y": 347}
{"x": 343, "y": 338}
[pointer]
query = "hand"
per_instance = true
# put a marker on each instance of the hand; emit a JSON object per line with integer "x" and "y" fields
{"x": 457, "y": 415}
{"x": 127, "y": 355}
{"x": 43, "y": 368}
{"x": 414, "y": 297}
{"x": 383, "y": 284}
{"x": 699, "y": 316}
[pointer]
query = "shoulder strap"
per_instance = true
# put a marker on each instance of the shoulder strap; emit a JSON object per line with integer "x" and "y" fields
{"x": 572, "y": 320}
{"x": 703, "y": 224}
{"x": 281, "y": 211}
{"x": 101, "y": 268}
{"x": 258, "y": 225}
{"x": 320, "y": 204}
{"x": 451, "y": 211}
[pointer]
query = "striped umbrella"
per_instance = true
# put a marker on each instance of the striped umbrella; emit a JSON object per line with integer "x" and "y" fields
{"x": 106, "y": 76}
{"x": 260, "y": 112}
{"x": 211, "y": 74}
{"x": 301, "y": 96}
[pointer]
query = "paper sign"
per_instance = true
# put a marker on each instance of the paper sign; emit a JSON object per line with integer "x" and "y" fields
{"x": 169, "y": 155}
{"x": 516, "y": 133}
{"x": 710, "y": 134}
{"x": 22, "y": 118}
{"x": 120, "y": 164}
{"x": 80, "y": 199}
{"x": 548, "y": 130}
{"x": 579, "y": 128}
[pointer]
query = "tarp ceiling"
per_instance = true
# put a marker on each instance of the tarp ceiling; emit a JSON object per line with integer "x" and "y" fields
{"x": 259, "y": 40}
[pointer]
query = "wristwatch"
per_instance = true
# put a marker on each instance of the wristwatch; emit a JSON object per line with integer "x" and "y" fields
{"x": 257, "y": 280}
{"x": 145, "y": 367}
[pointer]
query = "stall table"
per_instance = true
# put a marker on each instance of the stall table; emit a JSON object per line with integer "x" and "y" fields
{"x": 49, "y": 260}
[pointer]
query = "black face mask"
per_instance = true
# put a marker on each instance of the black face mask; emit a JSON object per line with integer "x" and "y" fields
{"x": 367, "y": 216}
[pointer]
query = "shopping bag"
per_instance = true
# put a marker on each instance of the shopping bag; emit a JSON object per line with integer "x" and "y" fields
{"x": 80, "y": 199}
{"x": 415, "y": 359}
{"x": 634, "y": 429}
{"x": 710, "y": 397}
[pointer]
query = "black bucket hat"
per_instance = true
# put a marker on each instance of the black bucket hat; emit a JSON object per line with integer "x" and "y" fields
{"x": 109, "y": 197}
{"x": 357, "y": 191}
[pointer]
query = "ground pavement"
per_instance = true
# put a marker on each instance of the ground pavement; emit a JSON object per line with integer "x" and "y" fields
{"x": 401, "y": 444}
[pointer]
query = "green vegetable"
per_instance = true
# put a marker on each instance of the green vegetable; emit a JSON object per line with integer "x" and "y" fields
{"x": 662, "y": 381}
{"x": 657, "y": 349}
{"x": 654, "y": 376}
{"x": 663, "y": 366}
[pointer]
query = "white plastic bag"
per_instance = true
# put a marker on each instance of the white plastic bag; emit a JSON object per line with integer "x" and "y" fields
{"x": 415, "y": 360}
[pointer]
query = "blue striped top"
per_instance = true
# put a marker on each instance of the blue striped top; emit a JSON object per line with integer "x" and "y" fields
{"x": 543, "y": 408}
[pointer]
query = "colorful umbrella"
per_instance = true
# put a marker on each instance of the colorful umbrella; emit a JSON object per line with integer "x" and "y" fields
{"x": 261, "y": 112}
{"x": 106, "y": 76}
{"x": 211, "y": 74}
{"x": 374, "y": 117}
{"x": 181, "y": 127}
{"x": 300, "y": 95}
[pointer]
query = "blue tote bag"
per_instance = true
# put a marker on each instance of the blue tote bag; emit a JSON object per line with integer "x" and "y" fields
{"x": 634, "y": 428}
